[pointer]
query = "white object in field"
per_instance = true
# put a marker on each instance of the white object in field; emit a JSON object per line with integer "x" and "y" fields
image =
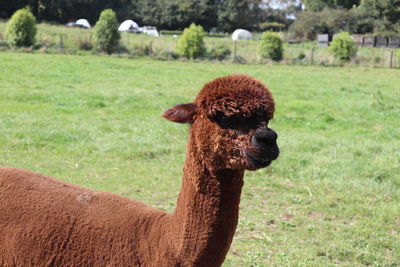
{"x": 128, "y": 26}
{"x": 241, "y": 34}
{"x": 84, "y": 23}
{"x": 150, "y": 30}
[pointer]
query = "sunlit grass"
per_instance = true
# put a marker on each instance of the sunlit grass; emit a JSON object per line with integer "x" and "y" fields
{"x": 331, "y": 199}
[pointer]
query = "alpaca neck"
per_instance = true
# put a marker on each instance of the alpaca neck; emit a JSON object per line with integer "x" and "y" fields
{"x": 206, "y": 214}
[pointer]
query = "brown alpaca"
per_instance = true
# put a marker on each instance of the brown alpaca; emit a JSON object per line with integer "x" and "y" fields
{"x": 47, "y": 222}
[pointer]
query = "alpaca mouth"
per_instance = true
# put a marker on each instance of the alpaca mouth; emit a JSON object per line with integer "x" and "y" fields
{"x": 257, "y": 158}
{"x": 255, "y": 163}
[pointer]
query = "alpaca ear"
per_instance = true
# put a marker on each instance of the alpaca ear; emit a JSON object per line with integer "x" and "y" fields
{"x": 183, "y": 113}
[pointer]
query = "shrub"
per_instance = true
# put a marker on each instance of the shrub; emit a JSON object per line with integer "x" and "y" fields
{"x": 220, "y": 52}
{"x": 190, "y": 43}
{"x": 106, "y": 31}
{"x": 377, "y": 59}
{"x": 301, "y": 56}
{"x": 271, "y": 46}
{"x": 167, "y": 55}
{"x": 144, "y": 49}
{"x": 85, "y": 44}
{"x": 343, "y": 46}
{"x": 21, "y": 29}
{"x": 240, "y": 60}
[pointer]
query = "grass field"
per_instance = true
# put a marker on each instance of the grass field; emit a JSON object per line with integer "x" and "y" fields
{"x": 331, "y": 199}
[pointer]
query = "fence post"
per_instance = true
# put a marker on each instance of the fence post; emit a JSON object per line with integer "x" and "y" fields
{"x": 234, "y": 51}
{"x": 312, "y": 56}
{"x": 151, "y": 48}
{"x": 391, "y": 59}
{"x": 61, "y": 42}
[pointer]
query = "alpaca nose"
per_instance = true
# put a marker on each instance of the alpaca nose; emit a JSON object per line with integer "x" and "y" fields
{"x": 264, "y": 136}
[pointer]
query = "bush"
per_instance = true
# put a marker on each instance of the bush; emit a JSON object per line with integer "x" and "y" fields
{"x": 167, "y": 55}
{"x": 21, "y": 29}
{"x": 343, "y": 46}
{"x": 144, "y": 49}
{"x": 240, "y": 60}
{"x": 190, "y": 43}
{"x": 220, "y": 52}
{"x": 106, "y": 31}
{"x": 271, "y": 46}
{"x": 85, "y": 44}
{"x": 301, "y": 56}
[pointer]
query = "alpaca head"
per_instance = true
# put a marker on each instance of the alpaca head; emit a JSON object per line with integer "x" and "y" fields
{"x": 229, "y": 123}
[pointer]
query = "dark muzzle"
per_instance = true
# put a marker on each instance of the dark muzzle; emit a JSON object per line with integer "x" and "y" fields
{"x": 265, "y": 140}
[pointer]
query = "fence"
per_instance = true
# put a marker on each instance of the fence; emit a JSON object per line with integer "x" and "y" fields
{"x": 365, "y": 41}
{"x": 366, "y": 56}
{"x": 369, "y": 54}
{"x": 58, "y": 39}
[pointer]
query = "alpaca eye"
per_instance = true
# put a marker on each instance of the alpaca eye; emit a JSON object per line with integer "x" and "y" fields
{"x": 260, "y": 115}
{"x": 223, "y": 121}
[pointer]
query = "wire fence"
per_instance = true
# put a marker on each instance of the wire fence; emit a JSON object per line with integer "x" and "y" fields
{"x": 59, "y": 39}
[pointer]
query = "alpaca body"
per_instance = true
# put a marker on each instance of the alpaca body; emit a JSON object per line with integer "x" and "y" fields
{"x": 60, "y": 224}
{"x": 47, "y": 222}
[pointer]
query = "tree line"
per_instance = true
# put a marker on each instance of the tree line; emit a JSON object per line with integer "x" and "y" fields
{"x": 219, "y": 15}
{"x": 303, "y": 18}
{"x": 380, "y": 17}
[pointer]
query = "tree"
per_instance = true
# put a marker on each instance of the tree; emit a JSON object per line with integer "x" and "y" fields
{"x": 275, "y": 19}
{"x": 271, "y": 46}
{"x": 379, "y": 16}
{"x": 21, "y": 29}
{"x": 361, "y": 22}
{"x": 209, "y": 16}
{"x": 149, "y": 12}
{"x": 177, "y": 14}
{"x": 67, "y": 10}
{"x": 347, "y": 4}
{"x": 385, "y": 14}
{"x": 106, "y": 31}
{"x": 190, "y": 43}
{"x": 164, "y": 14}
{"x": 329, "y": 21}
{"x": 343, "y": 46}
{"x": 7, "y": 8}
{"x": 234, "y": 14}
{"x": 201, "y": 12}
{"x": 276, "y": 14}
{"x": 170, "y": 16}
{"x": 318, "y": 5}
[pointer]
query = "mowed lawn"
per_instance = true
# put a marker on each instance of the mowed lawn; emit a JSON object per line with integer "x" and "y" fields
{"x": 331, "y": 199}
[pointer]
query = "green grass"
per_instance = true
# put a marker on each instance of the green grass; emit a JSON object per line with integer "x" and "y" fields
{"x": 331, "y": 199}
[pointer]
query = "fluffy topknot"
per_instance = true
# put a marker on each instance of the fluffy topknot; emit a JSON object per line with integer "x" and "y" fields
{"x": 235, "y": 94}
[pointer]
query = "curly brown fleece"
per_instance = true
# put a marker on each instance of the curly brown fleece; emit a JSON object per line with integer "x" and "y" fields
{"x": 48, "y": 222}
